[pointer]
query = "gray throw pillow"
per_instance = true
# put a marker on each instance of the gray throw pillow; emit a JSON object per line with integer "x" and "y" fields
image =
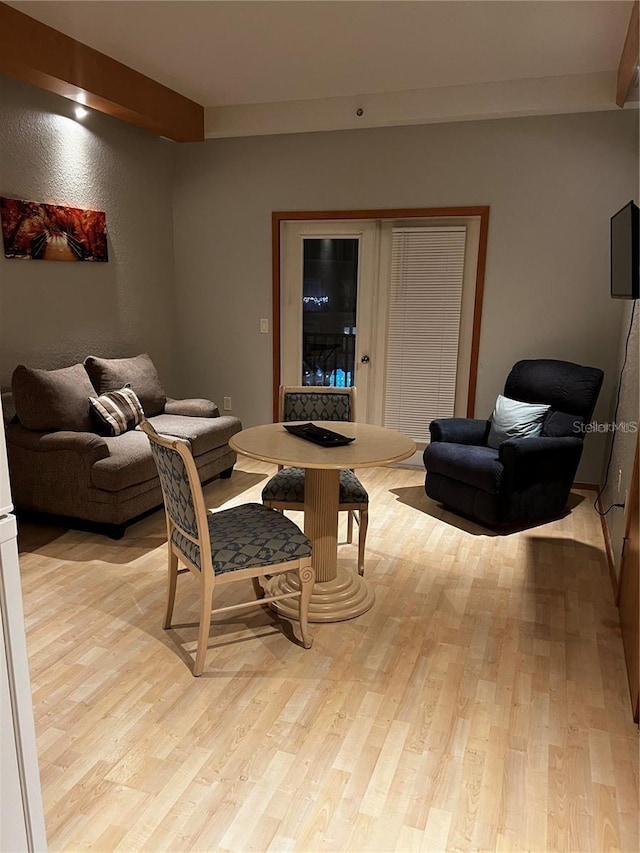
{"x": 51, "y": 400}
{"x": 514, "y": 419}
{"x": 111, "y": 374}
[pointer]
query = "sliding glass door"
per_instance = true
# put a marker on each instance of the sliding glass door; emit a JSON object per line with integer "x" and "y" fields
{"x": 388, "y": 305}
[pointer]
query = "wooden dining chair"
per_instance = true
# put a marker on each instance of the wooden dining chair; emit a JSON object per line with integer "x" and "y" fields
{"x": 249, "y": 541}
{"x": 285, "y": 490}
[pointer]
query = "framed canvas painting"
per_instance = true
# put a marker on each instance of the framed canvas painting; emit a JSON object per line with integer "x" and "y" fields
{"x": 36, "y": 231}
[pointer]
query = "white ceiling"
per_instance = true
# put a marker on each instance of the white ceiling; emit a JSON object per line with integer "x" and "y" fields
{"x": 256, "y": 52}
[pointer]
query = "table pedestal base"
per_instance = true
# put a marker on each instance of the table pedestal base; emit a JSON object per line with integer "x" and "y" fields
{"x": 345, "y": 597}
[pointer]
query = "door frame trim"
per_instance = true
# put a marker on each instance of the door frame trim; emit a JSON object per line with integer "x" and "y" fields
{"x": 279, "y": 216}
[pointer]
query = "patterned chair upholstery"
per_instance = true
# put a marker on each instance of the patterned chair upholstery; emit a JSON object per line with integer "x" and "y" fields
{"x": 318, "y": 404}
{"x": 285, "y": 490}
{"x": 244, "y": 542}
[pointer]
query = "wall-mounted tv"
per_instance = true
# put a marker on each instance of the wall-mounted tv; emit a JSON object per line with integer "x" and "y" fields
{"x": 625, "y": 252}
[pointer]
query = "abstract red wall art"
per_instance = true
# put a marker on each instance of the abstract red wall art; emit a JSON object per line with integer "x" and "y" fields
{"x": 32, "y": 230}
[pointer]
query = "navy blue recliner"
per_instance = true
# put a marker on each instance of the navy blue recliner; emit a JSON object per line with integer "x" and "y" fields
{"x": 525, "y": 479}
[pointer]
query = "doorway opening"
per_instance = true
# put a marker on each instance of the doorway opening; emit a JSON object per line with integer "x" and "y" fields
{"x": 335, "y": 288}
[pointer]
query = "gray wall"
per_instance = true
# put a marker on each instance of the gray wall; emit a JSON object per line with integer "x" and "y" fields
{"x": 54, "y": 314}
{"x": 551, "y": 182}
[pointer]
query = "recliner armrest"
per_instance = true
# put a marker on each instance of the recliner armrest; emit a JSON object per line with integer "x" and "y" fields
{"x": 540, "y": 459}
{"x": 192, "y": 408}
{"x": 513, "y": 448}
{"x": 460, "y": 430}
{"x": 84, "y": 443}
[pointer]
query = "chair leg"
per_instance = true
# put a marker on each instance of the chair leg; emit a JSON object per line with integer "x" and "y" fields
{"x": 257, "y": 588}
{"x": 350, "y": 526}
{"x": 362, "y": 538}
{"x": 307, "y": 577}
{"x": 172, "y": 578}
{"x": 271, "y": 506}
{"x": 206, "y": 599}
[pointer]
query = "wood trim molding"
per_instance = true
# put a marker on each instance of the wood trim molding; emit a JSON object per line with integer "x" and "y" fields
{"x": 278, "y": 217}
{"x": 629, "y": 59}
{"x": 38, "y": 54}
{"x": 631, "y": 517}
{"x": 609, "y": 550}
{"x": 627, "y": 599}
{"x": 477, "y": 313}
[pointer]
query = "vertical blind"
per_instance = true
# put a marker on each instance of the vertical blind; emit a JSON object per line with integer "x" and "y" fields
{"x": 427, "y": 267}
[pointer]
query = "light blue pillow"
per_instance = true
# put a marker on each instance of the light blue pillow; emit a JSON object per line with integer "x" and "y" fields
{"x": 513, "y": 419}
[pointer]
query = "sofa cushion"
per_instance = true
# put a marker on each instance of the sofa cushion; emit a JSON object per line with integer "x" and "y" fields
{"x": 203, "y": 434}
{"x": 195, "y": 407}
{"x": 109, "y": 374}
{"x": 116, "y": 411}
{"x": 49, "y": 400}
{"x": 476, "y": 466}
{"x": 129, "y": 462}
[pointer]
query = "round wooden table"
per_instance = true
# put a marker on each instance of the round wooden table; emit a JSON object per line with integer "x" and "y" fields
{"x": 338, "y": 594}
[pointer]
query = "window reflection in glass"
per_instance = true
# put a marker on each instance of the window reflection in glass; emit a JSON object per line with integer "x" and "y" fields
{"x": 329, "y": 297}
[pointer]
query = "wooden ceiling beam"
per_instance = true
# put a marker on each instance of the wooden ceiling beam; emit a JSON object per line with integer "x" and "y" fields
{"x": 628, "y": 67}
{"x": 44, "y": 57}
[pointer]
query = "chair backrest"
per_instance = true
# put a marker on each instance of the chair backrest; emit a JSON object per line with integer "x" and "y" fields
{"x": 183, "y": 499}
{"x": 568, "y": 388}
{"x": 304, "y": 403}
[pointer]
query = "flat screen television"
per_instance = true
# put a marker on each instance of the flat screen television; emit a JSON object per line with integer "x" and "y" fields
{"x": 625, "y": 253}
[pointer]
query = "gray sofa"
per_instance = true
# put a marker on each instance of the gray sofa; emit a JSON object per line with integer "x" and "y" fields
{"x": 62, "y": 468}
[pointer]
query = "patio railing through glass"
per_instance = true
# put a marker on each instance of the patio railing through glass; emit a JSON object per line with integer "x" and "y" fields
{"x": 328, "y": 359}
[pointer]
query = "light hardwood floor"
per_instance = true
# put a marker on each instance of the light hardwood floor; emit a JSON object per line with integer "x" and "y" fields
{"x": 482, "y": 704}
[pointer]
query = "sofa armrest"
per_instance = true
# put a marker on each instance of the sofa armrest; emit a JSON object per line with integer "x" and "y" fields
{"x": 8, "y": 408}
{"x": 191, "y": 408}
{"x": 540, "y": 459}
{"x": 83, "y": 443}
{"x": 460, "y": 430}
{"x": 51, "y": 471}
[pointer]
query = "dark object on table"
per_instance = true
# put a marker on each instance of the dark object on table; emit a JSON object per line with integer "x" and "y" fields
{"x": 319, "y": 435}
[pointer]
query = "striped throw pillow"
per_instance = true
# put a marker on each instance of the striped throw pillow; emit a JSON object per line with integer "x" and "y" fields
{"x": 117, "y": 411}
